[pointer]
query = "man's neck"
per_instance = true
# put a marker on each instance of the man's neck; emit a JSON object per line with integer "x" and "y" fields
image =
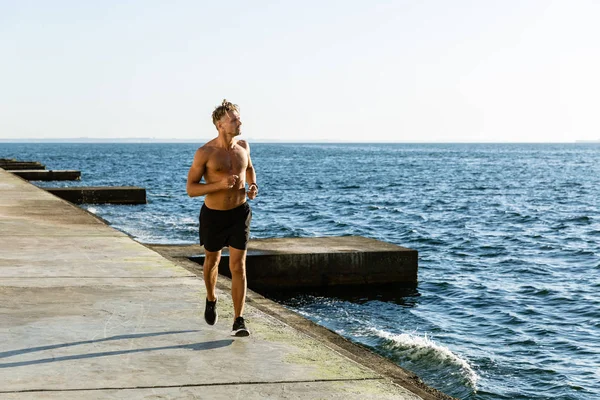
{"x": 225, "y": 141}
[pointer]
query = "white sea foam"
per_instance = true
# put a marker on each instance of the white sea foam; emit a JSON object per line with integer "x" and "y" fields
{"x": 422, "y": 347}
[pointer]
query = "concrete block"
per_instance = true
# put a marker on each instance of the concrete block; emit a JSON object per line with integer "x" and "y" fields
{"x": 101, "y": 195}
{"x": 292, "y": 263}
{"x": 47, "y": 175}
{"x": 20, "y": 165}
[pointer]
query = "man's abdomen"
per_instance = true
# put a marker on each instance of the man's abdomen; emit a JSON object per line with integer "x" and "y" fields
{"x": 225, "y": 199}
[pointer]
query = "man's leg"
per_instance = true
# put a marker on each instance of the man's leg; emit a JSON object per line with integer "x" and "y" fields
{"x": 237, "y": 266}
{"x": 211, "y": 270}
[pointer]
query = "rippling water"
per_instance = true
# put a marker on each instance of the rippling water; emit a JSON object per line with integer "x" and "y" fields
{"x": 508, "y": 238}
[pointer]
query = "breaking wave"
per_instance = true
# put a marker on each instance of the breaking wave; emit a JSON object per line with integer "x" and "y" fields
{"x": 423, "y": 349}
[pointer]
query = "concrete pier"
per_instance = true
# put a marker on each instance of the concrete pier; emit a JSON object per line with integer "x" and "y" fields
{"x": 88, "y": 313}
{"x": 47, "y": 175}
{"x": 101, "y": 195}
{"x": 11, "y": 164}
{"x": 293, "y": 263}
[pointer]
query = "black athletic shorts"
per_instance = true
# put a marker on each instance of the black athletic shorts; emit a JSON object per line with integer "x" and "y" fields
{"x": 225, "y": 228}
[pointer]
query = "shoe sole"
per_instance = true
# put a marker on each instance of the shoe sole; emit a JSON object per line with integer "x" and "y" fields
{"x": 240, "y": 333}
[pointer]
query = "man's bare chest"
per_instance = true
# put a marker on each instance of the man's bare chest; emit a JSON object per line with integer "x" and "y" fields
{"x": 223, "y": 161}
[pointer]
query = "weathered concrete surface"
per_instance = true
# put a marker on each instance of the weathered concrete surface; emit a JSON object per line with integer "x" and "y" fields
{"x": 87, "y": 312}
{"x": 47, "y": 175}
{"x": 101, "y": 195}
{"x": 291, "y": 263}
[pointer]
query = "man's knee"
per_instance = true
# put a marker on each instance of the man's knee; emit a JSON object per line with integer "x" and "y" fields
{"x": 211, "y": 260}
{"x": 237, "y": 267}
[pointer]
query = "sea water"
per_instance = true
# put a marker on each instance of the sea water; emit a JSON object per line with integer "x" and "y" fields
{"x": 508, "y": 235}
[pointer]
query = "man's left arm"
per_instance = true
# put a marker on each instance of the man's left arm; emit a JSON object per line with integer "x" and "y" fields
{"x": 250, "y": 174}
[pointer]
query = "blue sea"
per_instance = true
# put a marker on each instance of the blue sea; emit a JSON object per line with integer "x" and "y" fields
{"x": 507, "y": 304}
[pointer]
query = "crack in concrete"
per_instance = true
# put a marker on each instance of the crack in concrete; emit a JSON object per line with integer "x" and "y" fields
{"x": 194, "y": 385}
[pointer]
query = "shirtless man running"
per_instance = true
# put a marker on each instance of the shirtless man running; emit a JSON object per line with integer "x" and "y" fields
{"x": 225, "y": 217}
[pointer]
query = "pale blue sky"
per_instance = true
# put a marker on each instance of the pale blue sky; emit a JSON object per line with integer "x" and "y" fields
{"x": 418, "y": 70}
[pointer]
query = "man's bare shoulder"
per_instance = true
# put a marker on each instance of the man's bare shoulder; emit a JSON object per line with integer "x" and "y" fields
{"x": 204, "y": 152}
{"x": 207, "y": 148}
{"x": 243, "y": 144}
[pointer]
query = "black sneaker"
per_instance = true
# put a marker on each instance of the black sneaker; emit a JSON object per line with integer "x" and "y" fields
{"x": 210, "y": 312}
{"x": 239, "y": 328}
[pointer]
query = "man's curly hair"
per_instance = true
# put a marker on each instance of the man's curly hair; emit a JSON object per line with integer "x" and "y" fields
{"x": 222, "y": 110}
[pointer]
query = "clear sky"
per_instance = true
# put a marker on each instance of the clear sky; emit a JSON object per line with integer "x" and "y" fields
{"x": 405, "y": 70}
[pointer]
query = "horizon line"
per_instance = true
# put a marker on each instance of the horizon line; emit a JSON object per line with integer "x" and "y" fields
{"x": 269, "y": 141}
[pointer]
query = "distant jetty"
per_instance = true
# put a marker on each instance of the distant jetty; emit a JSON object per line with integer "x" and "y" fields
{"x": 36, "y": 171}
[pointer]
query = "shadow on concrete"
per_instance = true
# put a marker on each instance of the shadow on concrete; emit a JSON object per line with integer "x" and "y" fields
{"x": 215, "y": 344}
{"x": 11, "y": 353}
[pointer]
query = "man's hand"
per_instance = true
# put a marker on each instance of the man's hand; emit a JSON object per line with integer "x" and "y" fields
{"x": 230, "y": 181}
{"x": 252, "y": 191}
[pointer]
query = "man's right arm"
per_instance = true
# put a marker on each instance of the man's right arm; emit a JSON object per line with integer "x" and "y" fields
{"x": 194, "y": 188}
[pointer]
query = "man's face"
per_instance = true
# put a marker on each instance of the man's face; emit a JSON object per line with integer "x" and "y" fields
{"x": 231, "y": 124}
